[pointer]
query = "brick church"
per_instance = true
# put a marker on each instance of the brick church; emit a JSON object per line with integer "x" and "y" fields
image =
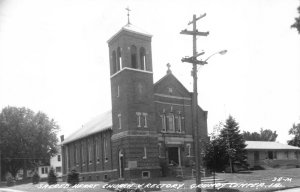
{"x": 149, "y": 127}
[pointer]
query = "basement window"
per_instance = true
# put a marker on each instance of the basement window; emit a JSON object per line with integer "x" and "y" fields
{"x": 145, "y": 174}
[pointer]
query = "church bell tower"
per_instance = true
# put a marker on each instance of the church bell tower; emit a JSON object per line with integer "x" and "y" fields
{"x": 134, "y": 137}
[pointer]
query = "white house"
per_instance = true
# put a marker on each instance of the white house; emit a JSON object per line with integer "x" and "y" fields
{"x": 272, "y": 154}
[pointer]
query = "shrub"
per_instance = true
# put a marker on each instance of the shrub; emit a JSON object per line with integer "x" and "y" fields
{"x": 52, "y": 179}
{"x": 73, "y": 177}
{"x": 10, "y": 180}
{"x": 35, "y": 178}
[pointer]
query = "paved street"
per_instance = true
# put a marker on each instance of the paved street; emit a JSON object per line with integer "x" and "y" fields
{"x": 290, "y": 190}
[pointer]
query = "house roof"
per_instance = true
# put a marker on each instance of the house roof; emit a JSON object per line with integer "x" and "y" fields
{"x": 99, "y": 123}
{"x": 271, "y": 145}
{"x": 133, "y": 29}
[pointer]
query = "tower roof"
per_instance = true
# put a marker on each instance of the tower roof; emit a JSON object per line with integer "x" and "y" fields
{"x": 132, "y": 29}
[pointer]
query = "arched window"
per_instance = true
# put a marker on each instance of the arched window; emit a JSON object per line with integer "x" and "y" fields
{"x": 105, "y": 149}
{"x": 143, "y": 58}
{"x": 83, "y": 153}
{"x": 121, "y": 164}
{"x": 133, "y": 57}
{"x": 163, "y": 121}
{"x": 171, "y": 122}
{"x": 114, "y": 61}
{"x": 97, "y": 150}
{"x": 119, "y": 59}
{"x": 90, "y": 150}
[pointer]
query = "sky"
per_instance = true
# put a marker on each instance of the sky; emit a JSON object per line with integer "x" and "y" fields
{"x": 54, "y": 57}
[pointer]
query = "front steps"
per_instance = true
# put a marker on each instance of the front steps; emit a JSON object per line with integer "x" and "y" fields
{"x": 190, "y": 173}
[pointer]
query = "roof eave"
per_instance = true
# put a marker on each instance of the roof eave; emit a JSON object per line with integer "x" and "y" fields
{"x": 82, "y": 137}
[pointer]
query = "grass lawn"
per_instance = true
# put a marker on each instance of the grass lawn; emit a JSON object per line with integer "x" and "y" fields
{"x": 286, "y": 178}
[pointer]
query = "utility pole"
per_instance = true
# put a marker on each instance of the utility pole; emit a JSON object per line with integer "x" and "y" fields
{"x": 195, "y": 62}
{"x": 0, "y": 168}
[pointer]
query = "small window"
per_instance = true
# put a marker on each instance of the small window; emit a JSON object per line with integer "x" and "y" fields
{"x": 43, "y": 170}
{"x": 58, "y": 158}
{"x": 188, "y": 146}
{"x": 145, "y": 174}
{"x": 120, "y": 121}
{"x": 145, "y": 153}
{"x": 90, "y": 178}
{"x": 58, "y": 169}
{"x": 118, "y": 91}
{"x": 163, "y": 121}
{"x": 145, "y": 120}
{"x": 105, "y": 177}
{"x": 138, "y": 119}
{"x": 46, "y": 170}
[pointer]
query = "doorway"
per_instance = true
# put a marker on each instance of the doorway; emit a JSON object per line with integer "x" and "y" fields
{"x": 173, "y": 155}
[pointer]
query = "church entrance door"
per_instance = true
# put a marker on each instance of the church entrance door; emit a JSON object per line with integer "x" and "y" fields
{"x": 173, "y": 155}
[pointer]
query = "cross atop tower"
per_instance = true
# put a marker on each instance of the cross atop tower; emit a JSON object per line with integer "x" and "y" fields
{"x": 169, "y": 70}
{"x": 128, "y": 14}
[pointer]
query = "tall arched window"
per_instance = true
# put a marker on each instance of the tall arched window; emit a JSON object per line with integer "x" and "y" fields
{"x": 114, "y": 61}
{"x": 143, "y": 58}
{"x": 133, "y": 57}
{"x": 83, "y": 153}
{"x": 171, "y": 122}
{"x": 119, "y": 59}
{"x": 90, "y": 150}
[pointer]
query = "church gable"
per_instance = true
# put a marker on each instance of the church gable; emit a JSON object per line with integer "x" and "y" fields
{"x": 170, "y": 85}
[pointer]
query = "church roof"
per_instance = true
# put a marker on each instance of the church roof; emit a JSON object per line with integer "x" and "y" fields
{"x": 268, "y": 145}
{"x": 166, "y": 79}
{"x": 99, "y": 123}
{"x": 131, "y": 28}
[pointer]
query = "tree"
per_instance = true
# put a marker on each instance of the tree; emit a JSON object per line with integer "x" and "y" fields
{"x": 226, "y": 149}
{"x": 35, "y": 178}
{"x": 264, "y": 135}
{"x": 73, "y": 177}
{"x": 295, "y": 130}
{"x": 52, "y": 179}
{"x": 26, "y": 138}
{"x": 297, "y": 22}
{"x": 215, "y": 155}
{"x": 235, "y": 143}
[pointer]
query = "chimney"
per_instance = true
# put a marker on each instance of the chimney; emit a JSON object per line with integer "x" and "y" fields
{"x": 62, "y": 138}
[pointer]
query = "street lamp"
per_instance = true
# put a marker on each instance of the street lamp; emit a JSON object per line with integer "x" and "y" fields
{"x": 196, "y": 62}
{"x": 223, "y": 52}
